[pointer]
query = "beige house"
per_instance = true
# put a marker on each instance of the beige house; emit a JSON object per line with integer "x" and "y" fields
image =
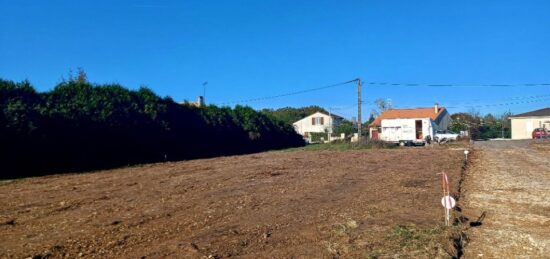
{"x": 317, "y": 122}
{"x": 524, "y": 124}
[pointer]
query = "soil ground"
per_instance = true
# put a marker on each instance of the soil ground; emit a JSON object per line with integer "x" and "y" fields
{"x": 285, "y": 204}
{"x": 508, "y": 183}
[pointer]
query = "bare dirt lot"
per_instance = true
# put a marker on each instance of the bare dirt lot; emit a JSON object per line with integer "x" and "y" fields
{"x": 509, "y": 182}
{"x": 285, "y": 204}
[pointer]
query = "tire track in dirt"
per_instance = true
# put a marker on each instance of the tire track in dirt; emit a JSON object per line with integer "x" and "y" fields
{"x": 510, "y": 182}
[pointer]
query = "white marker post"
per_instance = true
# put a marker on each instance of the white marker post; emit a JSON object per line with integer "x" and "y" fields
{"x": 466, "y": 153}
{"x": 447, "y": 201}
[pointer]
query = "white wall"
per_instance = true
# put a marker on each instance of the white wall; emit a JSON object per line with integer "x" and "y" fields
{"x": 522, "y": 128}
{"x": 405, "y": 129}
{"x": 304, "y": 125}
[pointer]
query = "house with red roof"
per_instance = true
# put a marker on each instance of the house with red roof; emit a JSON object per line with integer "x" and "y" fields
{"x": 410, "y": 126}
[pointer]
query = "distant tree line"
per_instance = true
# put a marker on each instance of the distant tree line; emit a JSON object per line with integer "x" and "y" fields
{"x": 482, "y": 127}
{"x": 290, "y": 115}
{"x": 81, "y": 126}
{"x": 478, "y": 126}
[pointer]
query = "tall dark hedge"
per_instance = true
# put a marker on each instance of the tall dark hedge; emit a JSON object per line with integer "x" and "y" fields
{"x": 79, "y": 126}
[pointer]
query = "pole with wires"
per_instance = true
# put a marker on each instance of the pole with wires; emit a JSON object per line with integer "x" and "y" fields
{"x": 358, "y": 109}
{"x": 329, "y": 131}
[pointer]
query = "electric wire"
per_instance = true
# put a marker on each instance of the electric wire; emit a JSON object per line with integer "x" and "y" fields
{"x": 290, "y": 93}
{"x": 455, "y": 85}
{"x": 453, "y": 105}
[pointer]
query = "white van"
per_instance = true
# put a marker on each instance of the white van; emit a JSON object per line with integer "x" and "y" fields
{"x": 407, "y": 131}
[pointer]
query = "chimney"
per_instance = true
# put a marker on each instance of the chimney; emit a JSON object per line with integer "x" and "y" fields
{"x": 436, "y": 108}
{"x": 200, "y": 101}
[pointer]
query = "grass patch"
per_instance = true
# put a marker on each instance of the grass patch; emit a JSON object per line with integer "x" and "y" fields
{"x": 8, "y": 181}
{"x": 343, "y": 145}
{"x": 413, "y": 240}
{"x": 399, "y": 241}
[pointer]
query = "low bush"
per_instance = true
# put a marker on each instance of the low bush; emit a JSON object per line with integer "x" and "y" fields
{"x": 347, "y": 145}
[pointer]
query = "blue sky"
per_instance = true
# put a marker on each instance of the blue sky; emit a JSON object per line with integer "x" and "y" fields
{"x": 248, "y": 49}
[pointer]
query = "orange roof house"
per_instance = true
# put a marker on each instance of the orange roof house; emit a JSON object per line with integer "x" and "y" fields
{"x": 433, "y": 113}
{"x": 409, "y": 125}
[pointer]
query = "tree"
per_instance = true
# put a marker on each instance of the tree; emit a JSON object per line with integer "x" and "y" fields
{"x": 289, "y": 115}
{"x": 20, "y": 104}
{"x": 461, "y": 122}
{"x": 345, "y": 127}
{"x": 82, "y": 126}
{"x": 481, "y": 127}
{"x": 381, "y": 105}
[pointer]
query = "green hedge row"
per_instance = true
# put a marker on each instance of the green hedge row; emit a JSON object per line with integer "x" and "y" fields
{"x": 79, "y": 126}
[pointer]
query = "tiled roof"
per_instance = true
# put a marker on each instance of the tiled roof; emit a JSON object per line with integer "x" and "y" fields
{"x": 408, "y": 114}
{"x": 333, "y": 115}
{"x": 541, "y": 112}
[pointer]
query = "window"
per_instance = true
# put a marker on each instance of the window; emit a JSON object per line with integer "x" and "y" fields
{"x": 317, "y": 121}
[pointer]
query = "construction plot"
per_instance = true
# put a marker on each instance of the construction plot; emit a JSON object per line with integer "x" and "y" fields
{"x": 300, "y": 204}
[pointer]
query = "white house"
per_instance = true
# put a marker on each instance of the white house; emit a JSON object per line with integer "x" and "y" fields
{"x": 317, "y": 122}
{"x": 409, "y": 125}
{"x": 524, "y": 124}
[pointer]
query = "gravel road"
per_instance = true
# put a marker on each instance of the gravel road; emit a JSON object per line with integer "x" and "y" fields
{"x": 509, "y": 182}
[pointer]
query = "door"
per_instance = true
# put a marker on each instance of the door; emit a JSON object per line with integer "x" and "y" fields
{"x": 374, "y": 134}
{"x": 418, "y": 129}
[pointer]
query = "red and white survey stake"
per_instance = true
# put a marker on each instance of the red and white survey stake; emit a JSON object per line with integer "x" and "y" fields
{"x": 447, "y": 201}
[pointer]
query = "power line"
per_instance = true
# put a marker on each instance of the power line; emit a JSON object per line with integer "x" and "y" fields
{"x": 485, "y": 105}
{"x": 290, "y": 93}
{"x": 501, "y": 104}
{"x": 507, "y": 98}
{"x": 513, "y": 98}
{"x": 456, "y": 85}
{"x": 524, "y": 100}
{"x": 380, "y": 84}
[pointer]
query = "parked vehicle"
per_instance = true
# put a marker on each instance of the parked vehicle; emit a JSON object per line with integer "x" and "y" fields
{"x": 445, "y": 135}
{"x": 540, "y": 133}
{"x": 406, "y": 132}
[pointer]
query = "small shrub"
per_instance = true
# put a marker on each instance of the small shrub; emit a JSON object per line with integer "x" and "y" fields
{"x": 316, "y": 136}
{"x": 372, "y": 143}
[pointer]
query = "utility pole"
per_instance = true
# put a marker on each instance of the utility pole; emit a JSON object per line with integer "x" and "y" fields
{"x": 329, "y": 125}
{"x": 358, "y": 108}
